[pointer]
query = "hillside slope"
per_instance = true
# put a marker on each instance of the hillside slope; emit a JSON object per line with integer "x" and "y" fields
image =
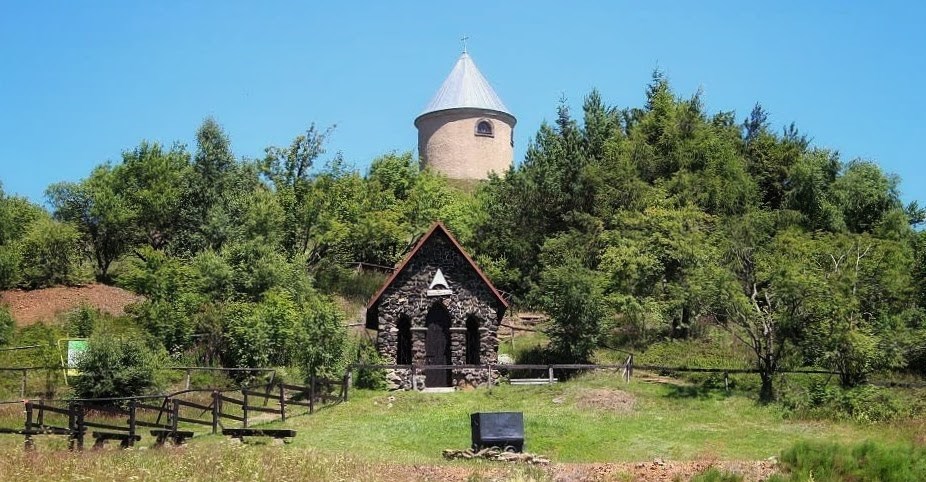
{"x": 28, "y": 307}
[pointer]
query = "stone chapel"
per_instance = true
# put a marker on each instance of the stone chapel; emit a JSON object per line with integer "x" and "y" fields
{"x": 437, "y": 308}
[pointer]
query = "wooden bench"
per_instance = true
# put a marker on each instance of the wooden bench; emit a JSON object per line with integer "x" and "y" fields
{"x": 241, "y": 433}
{"x": 178, "y": 437}
{"x": 532, "y": 381}
{"x": 125, "y": 440}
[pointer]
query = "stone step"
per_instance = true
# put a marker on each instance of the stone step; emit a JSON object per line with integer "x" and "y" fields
{"x": 438, "y": 390}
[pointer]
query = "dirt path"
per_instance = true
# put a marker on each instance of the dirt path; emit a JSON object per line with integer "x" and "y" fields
{"x": 29, "y": 307}
{"x": 654, "y": 471}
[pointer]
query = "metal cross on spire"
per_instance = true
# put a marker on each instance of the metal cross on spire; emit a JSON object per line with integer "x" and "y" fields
{"x": 464, "y": 39}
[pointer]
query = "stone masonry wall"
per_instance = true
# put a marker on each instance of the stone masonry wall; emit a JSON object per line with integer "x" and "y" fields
{"x": 470, "y": 297}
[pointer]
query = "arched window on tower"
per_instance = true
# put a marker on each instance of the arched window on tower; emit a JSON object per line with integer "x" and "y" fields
{"x": 484, "y": 128}
{"x": 472, "y": 341}
{"x": 403, "y": 354}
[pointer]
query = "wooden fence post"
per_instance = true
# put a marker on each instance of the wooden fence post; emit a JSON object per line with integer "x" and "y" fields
{"x": 216, "y": 410}
{"x": 72, "y": 422}
{"x": 312, "y": 393}
{"x": 282, "y": 403}
{"x": 726, "y": 381}
{"x": 244, "y": 407}
{"x": 132, "y": 420}
{"x": 346, "y": 384}
{"x": 189, "y": 372}
{"x": 22, "y": 388}
{"x": 28, "y": 444}
{"x": 79, "y": 426}
{"x": 28, "y": 414}
{"x": 174, "y": 419}
{"x": 550, "y": 373}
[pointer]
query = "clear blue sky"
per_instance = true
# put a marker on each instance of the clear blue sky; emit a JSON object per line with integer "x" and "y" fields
{"x": 82, "y": 81}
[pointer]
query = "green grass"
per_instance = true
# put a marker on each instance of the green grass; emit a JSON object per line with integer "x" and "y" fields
{"x": 866, "y": 461}
{"x": 668, "y": 421}
{"x": 576, "y": 421}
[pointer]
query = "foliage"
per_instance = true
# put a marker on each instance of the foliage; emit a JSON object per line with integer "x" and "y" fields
{"x": 363, "y": 351}
{"x": 865, "y": 404}
{"x": 714, "y": 475}
{"x": 101, "y": 214}
{"x": 50, "y": 255}
{"x": 574, "y": 302}
{"x": 630, "y": 225}
{"x": 83, "y": 321}
{"x": 116, "y": 367}
{"x": 6, "y": 325}
{"x": 828, "y": 462}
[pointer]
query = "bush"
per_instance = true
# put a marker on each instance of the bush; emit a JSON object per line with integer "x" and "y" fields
{"x": 9, "y": 266}
{"x": 168, "y": 322}
{"x": 714, "y": 475}
{"x": 868, "y": 461}
{"x": 50, "y": 255}
{"x": 572, "y": 296}
{"x": 366, "y": 354}
{"x": 82, "y": 321}
{"x": 247, "y": 338}
{"x": 862, "y": 404}
{"x": 6, "y": 326}
{"x": 116, "y": 367}
{"x": 320, "y": 337}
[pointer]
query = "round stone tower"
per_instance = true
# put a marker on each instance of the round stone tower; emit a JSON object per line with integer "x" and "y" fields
{"x": 466, "y": 131}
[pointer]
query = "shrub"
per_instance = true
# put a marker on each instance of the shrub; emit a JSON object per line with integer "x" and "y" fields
{"x": 867, "y": 461}
{"x": 247, "y": 338}
{"x": 9, "y": 266}
{"x": 50, "y": 254}
{"x": 320, "y": 337}
{"x": 116, "y": 367}
{"x": 863, "y": 404}
{"x": 714, "y": 475}
{"x": 6, "y": 326}
{"x": 572, "y": 296}
{"x": 168, "y": 322}
{"x": 82, "y": 321}
{"x": 366, "y": 354}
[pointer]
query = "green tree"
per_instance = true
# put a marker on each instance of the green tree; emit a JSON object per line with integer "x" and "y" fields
{"x": 573, "y": 299}
{"x": 50, "y": 254}
{"x": 155, "y": 183}
{"x": 100, "y": 213}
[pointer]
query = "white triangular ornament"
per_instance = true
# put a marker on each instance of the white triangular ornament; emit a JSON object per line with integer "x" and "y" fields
{"x": 438, "y": 281}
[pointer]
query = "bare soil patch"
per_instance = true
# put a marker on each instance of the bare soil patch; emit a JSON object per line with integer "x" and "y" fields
{"x": 28, "y": 307}
{"x": 655, "y": 471}
{"x": 607, "y": 399}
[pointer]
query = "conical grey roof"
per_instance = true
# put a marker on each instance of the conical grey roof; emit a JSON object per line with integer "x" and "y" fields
{"x": 465, "y": 87}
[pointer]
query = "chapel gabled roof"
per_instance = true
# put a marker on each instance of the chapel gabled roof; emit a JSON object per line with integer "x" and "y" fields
{"x": 435, "y": 228}
{"x": 465, "y": 87}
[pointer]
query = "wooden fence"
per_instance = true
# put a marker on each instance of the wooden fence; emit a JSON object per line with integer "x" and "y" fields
{"x": 122, "y": 418}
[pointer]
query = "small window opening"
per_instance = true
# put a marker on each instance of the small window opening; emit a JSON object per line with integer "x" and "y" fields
{"x": 484, "y": 128}
{"x": 404, "y": 353}
{"x": 472, "y": 341}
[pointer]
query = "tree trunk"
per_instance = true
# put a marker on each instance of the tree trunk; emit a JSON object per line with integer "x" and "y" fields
{"x": 767, "y": 392}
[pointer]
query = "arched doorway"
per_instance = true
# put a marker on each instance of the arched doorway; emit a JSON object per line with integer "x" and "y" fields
{"x": 437, "y": 346}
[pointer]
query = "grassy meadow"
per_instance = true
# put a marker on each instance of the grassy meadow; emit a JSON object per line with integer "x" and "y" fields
{"x": 594, "y": 418}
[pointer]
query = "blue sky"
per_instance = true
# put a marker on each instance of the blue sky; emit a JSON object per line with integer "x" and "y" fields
{"x": 82, "y": 81}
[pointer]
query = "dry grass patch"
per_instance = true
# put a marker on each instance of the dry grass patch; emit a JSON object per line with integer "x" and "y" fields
{"x": 606, "y": 399}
